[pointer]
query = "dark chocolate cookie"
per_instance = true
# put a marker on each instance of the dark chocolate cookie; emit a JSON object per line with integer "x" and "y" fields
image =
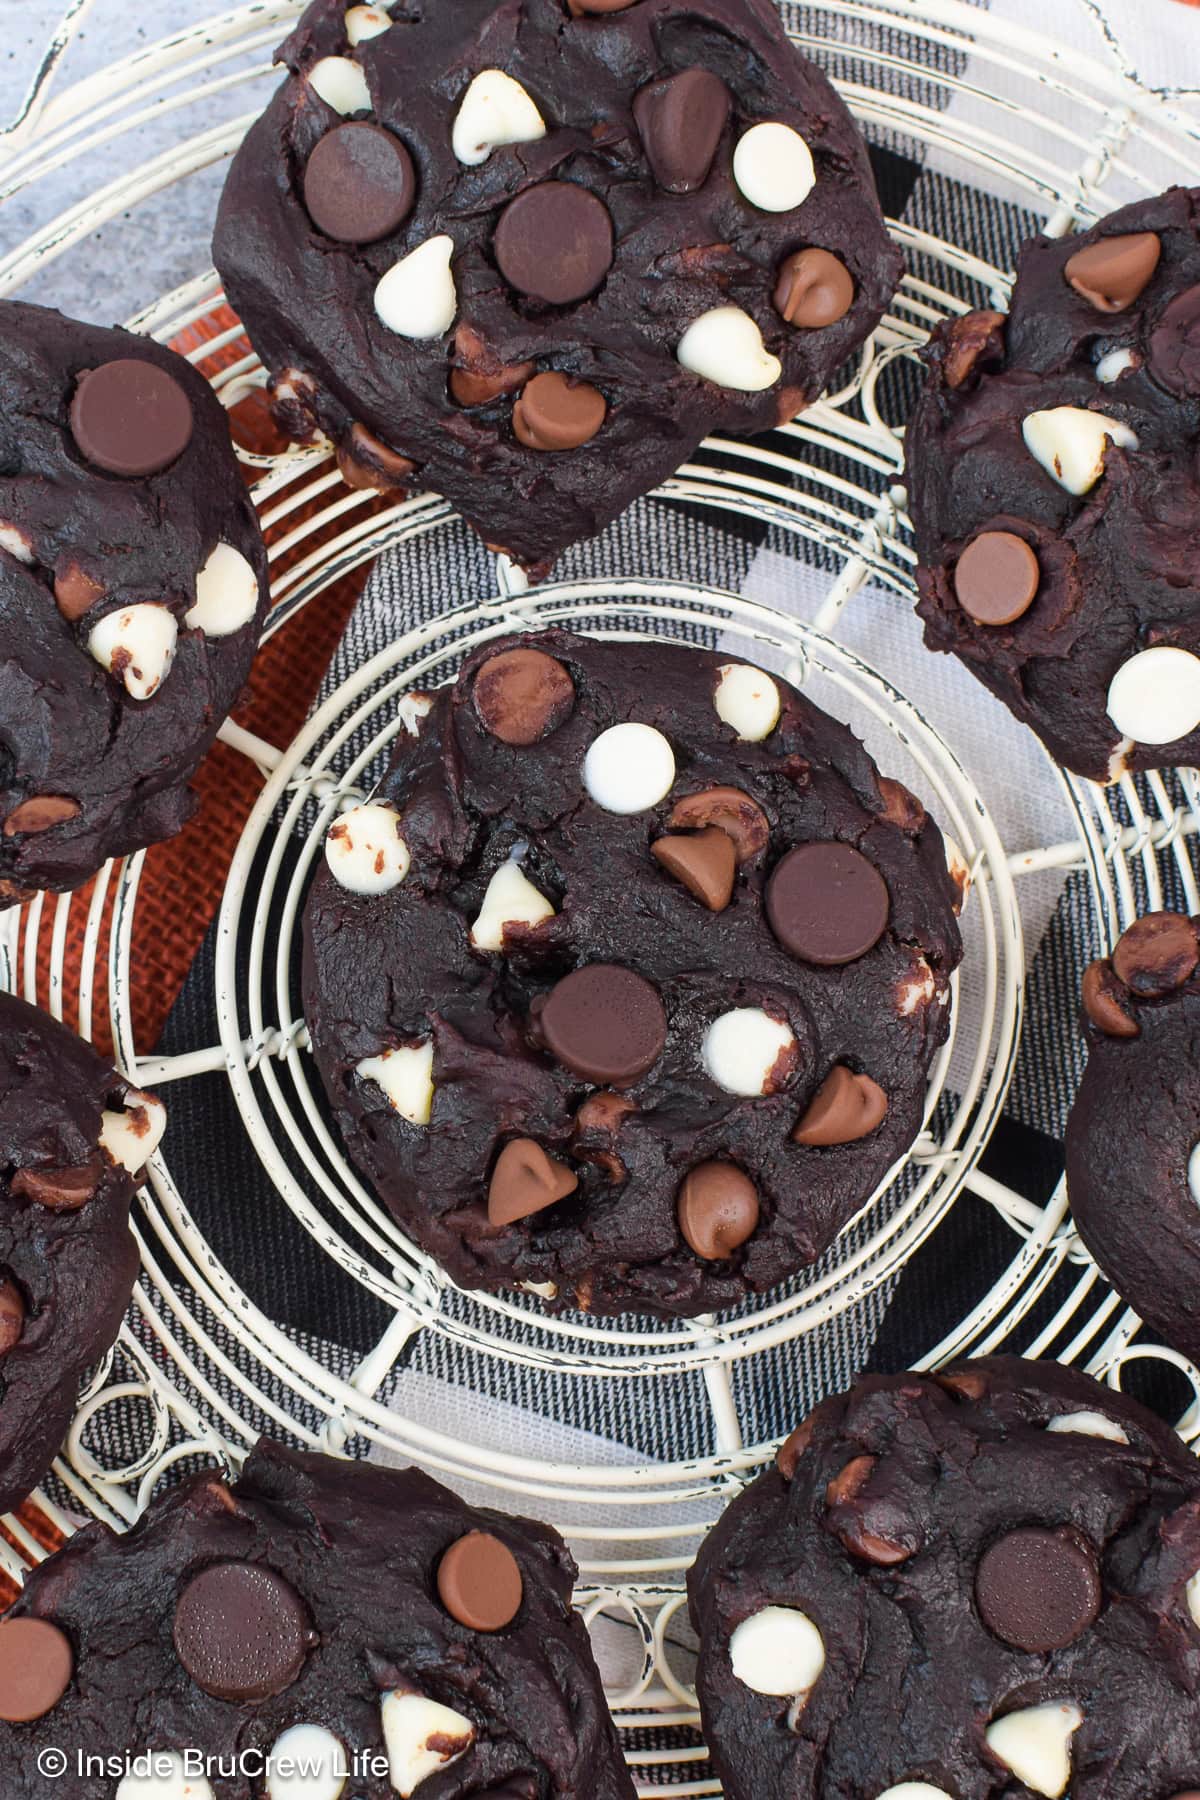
{"x": 74, "y": 1136}
{"x": 132, "y": 589}
{"x": 626, "y": 982}
{"x": 530, "y": 254}
{"x": 1054, "y": 475}
{"x": 1133, "y": 1137}
{"x": 330, "y": 1616}
{"x": 983, "y": 1582}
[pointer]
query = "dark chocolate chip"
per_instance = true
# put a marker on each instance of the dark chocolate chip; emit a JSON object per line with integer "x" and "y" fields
{"x": 62, "y": 1190}
{"x": 130, "y": 417}
{"x": 525, "y": 1181}
{"x": 1113, "y": 272}
{"x": 75, "y": 591}
{"x": 241, "y": 1631}
{"x": 554, "y": 242}
{"x": 681, "y": 118}
{"x": 521, "y": 696}
{"x": 1106, "y": 1001}
{"x": 844, "y": 1108}
{"x": 813, "y": 289}
{"x": 12, "y": 1313}
{"x": 1038, "y": 1589}
{"x": 40, "y": 813}
{"x": 975, "y": 338}
{"x": 605, "y": 1023}
{"x": 36, "y": 1665}
{"x": 996, "y": 578}
{"x": 1175, "y": 344}
{"x": 359, "y": 183}
{"x": 704, "y": 863}
{"x": 735, "y": 813}
{"x": 1156, "y": 954}
{"x": 717, "y": 1209}
{"x": 479, "y": 1582}
{"x": 365, "y": 461}
{"x": 827, "y": 904}
{"x": 555, "y": 413}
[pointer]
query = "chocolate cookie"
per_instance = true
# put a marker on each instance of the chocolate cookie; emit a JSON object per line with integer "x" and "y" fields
{"x": 318, "y": 1617}
{"x": 1133, "y": 1137}
{"x": 626, "y": 982}
{"x": 74, "y": 1136}
{"x": 984, "y": 1582}
{"x": 132, "y": 589}
{"x": 530, "y": 254}
{"x": 1054, "y": 476}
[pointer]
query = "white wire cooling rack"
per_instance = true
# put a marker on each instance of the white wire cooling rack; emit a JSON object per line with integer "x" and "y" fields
{"x": 200, "y": 1366}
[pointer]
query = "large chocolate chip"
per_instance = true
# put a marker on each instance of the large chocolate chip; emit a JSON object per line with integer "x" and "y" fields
{"x": 62, "y": 1190}
{"x": 359, "y": 183}
{"x": 717, "y": 1209}
{"x": 813, "y": 289}
{"x": 36, "y": 1664}
{"x": 525, "y": 1181}
{"x": 1037, "y": 1589}
{"x": 555, "y": 413}
{"x": 12, "y": 1313}
{"x": 844, "y": 1108}
{"x": 737, "y": 815}
{"x": 827, "y": 904}
{"x": 39, "y": 813}
{"x": 1156, "y": 954}
{"x": 1175, "y": 344}
{"x": 1114, "y": 271}
{"x": 1106, "y": 1001}
{"x": 479, "y": 1582}
{"x": 241, "y": 1631}
{"x": 554, "y": 242}
{"x": 703, "y": 863}
{"x": 681, "y": 119}
{"x": 605, "y": 1023}
{"x": 521, "y": 696}
{"x": 996, "y": 578}
{"x": 130, "y": 417}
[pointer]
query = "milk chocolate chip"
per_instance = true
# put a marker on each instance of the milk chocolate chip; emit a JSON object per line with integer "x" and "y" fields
{"x": 703, "y": 863}
{"x": 1156, "y": 954}
{"x": 525, "y": 1181}
{"x": 844, "y": 1108}
{"x": 479, "y": 1582}
{"x": 521, "y": 696}
{"x": 813, "y": 289}
{"x": 717, "y": 1209}
{"x": 555, "y": 413}
{"x": 1113, "y": 272}
{"x": 40, "y": 813}
{"x": 36, "y": 1665}
{"x": 996, "y": 578}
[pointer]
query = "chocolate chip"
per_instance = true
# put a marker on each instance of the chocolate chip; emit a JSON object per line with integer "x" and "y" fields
{"x": 521, "y": 696}
{"x": 736, "y": 814}
{"x": 793, "y": 1447}
{"x": 365, "y": 461}
{"x": 525, "y": 1181}
{"x": 717, "y": 1209}
{"x": 554, "y": 242}
{"x": 900, "y": 807}
{"x": 605, "y": 1023}
{"x": 578, "y": 8}
{"x": 478, "y": 376}
{"x": 555, "y": 413}
{"x": 996, "y": 578}
{"x": 1106, "y": 1001}
{"x": 813, "y": 289}
{"x": 967, "y": 1384}
{"x": 241, "y": 1631}
{"x": 1156, "y": 954}
{"x": 36, "y": 1665}
{"x": 130, "y": 417}
{"x": 704, "y": 864}
{"x": 1113, "y": 272}
{"x": 681, "y": 118}
{"x": 977, "y": 337}
{"x": 40, "y": 813}
{"x": 359, "y": 184}
{"x": 479, "y": 1582}
{"x": 827, "y": 904}
{"x": 62, "y": 1190}
{"x": 75, "y": 592}
{"x": 12, "y": 1313}
{"x": 844, "y": 1108}
{"x": 1175, "y": 344}
{"x": 1037, "y": 1589}
{"x": 887, "y": 1539}
{"x": 601, "y": 1117}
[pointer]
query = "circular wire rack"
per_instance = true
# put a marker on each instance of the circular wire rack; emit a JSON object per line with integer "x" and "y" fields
{"x": 201, "y": 1368}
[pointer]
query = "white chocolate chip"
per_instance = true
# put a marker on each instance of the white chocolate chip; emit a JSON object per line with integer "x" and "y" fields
{"x": 365, "y": 851}
{"x": 307, "y": 1762}
{"x": 511, "y": 899}
{"x": 1070, "y": 442}
{"x": 777, "y": 1650}
{"x": 495, "y": 110}
{"x": 412, "y": 709}
{"x": 1110, "y": 368}
{"x": 162, "y": 1775}
{"x": 773, "y": 167}
{"x": 1118, "y": 761}
{"x": 1193, "y": 1173}
{"x": 1088, "y": 1424}
{"x": 417, "y": 297}
{"x": 226, "y": 594}
{"x": 914, "y": 1790}
{"x": 422, "y": 1737}
{"x": 1035, "y": 1744}
{"x": 958, "y": 869}
{"x": 17, "y": 542}
{"x": 545, "y": 1290}
{"x": 137, "y": 645}
{"x": 629, "y": 768}
{"x": 916, "y": 989}
{"x": 1154, "y": 698}
{"x": 366, "y": 22}
{"x": 131, "y": 1137}
{"x": 747, "y": 701}
{"x": 1192, "y": 1596}
{"x": 725, "y": 345}
{"x": 405, "y": 1073}
{"x": 742, "y": 1048}
{"x": 341, "y": 84}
